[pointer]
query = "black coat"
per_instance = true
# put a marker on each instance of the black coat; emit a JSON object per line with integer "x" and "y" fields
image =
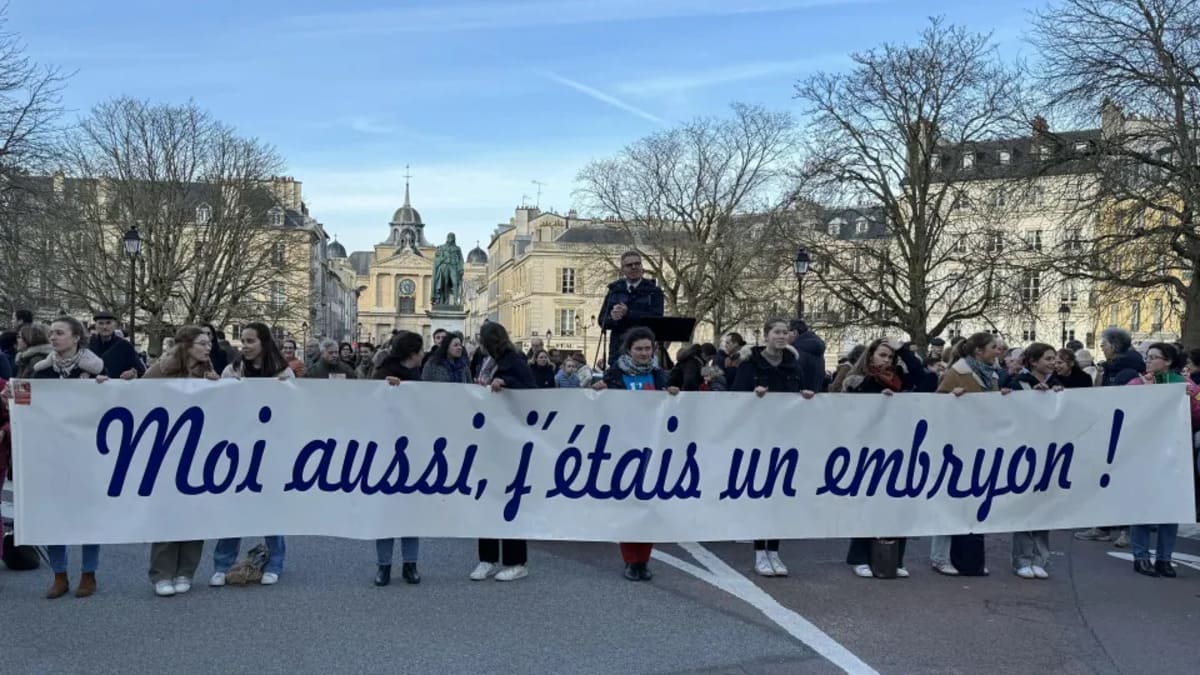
{"x": 219, "y": 358}
{"x": 1122, "y": 368}
{"x": 687, "y": 374}
{"x": 543, "y": 376}
{"x": 756, "y": 371}
{"x": 614, "y": 378}
{"x": 514, "y": 370}
{"x": 810, "y": 350}
{"x": 645, "y": 301}
{"x": 1077, "y": 379}
{"x": 1026, "y": 381}
{"x": 394, "y": 367}
{"x": 118, "y": 354}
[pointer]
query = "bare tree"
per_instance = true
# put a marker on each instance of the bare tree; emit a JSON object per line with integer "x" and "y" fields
{"x": 903, "y": 232}
{"x": 213, "y": 241}
{"x": 30, "y": 108}
{"x": 1134, "y": 66}
{"x": 695, "y": 200}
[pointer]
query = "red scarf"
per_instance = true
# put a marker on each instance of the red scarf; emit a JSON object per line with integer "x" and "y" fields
{"x": 887, "y": 377}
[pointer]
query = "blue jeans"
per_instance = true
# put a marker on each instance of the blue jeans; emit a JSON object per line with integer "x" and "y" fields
{"x": 1139, "y": 540}
{"x": 226, "y": 553}
{"x": 58, "y": 558}
{"x": 410, "y": 549}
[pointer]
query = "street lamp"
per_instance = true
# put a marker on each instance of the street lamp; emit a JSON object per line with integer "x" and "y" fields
{"x": 800, "y": 266}
{"x": 1064, "y": 313}
{"x": 304, "y": 337}
{"x": 133, "y": 247}
{"x": 585, "y": 327}
{"x": 548, "y": 334}
{"x": 358, "y": 335}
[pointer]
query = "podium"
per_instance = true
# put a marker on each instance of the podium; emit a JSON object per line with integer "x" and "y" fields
{"x": 670, "y": 329}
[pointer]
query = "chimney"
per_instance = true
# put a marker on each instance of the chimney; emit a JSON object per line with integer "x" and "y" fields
{"x": 1040, "y": 127}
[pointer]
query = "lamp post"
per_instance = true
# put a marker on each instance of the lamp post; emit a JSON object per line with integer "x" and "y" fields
{"x": 133, "y": 247}
{"x": 304, "y": 337}
{"x": 358, "y": 335}
{"x": 548, "y": 334}
{"x": 1064, "y": 313}
{"x": 800, "y": 267}
{"x": 585, "y": 327}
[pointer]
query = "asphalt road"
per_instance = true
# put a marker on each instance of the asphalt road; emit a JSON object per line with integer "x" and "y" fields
{"x": 576, "y": 614}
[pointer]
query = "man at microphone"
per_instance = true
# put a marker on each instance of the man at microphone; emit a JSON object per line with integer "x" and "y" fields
{"x": 630, "y": 299}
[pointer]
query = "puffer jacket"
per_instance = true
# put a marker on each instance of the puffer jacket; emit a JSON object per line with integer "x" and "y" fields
{"x": 756, "y": 371}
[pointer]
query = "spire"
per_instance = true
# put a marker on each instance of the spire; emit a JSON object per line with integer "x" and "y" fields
{"x": 406, "y": 177}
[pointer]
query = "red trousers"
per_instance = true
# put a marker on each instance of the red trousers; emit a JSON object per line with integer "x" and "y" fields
{"x": 636, "y": 553}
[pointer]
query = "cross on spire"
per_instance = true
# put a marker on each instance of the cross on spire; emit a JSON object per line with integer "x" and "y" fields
{"x": 407, "y": 175}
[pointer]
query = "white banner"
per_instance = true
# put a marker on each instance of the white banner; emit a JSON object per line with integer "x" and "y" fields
{"x": 164, "y": 460}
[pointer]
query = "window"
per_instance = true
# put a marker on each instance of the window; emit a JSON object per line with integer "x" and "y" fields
{"x": 862, "y": 225}
{"x": 278, "y": 253}
{"x": 959, "y": 246}
{"x": 1034, "y": 237}
{"x": 1163, "y": 266}
{"x": 275, "y": 217}
{"x": 278, "y": 295}
{"x": 1044, "y": 152}
{"x": 935, "y": 162}
{"x": 995, "y": 242}
{"x": 566, "y": 323}
{"x": 1135, "y": 316}
{"x": 1031, "y": 287}
{"x": 1156, "y": 318}
{"x": 203, "y": 214}
{"x": 835, "y": 227}
{"x": 1070, "y": 334}
{"x": 567, "y": 280}
{"x": 1005, "y": 157}
{"x": 968, "y": 160}
{"x": 1071, "y": 241}
{"x": 1069, "y": 292}
{"x": 1081, "y": 147}
{"x": 1029, "y": 332}
{"x": 856, "y": 263}
{"x": 1037, "y": 196}
{"x": 1114, "y": 315}
{"x": 406, "y": 305}
{"x": 956, "y": 330}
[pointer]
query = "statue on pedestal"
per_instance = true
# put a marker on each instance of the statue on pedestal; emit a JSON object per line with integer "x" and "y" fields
{"x": 448, "y": 274}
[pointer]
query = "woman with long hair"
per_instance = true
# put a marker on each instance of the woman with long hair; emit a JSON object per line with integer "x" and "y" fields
{"x": 288, "y": 349}
{"x": 543, "y": 369}
{"x": 259, "y": 358}
{"x": 774, "y": 368}
{"x": 1069, "y": 372}
{"x": 347, "y": 355}
{"x": 449, "y": 362}
{"x": 637, "y": 370}
{"x": 1031, "y": 549}
{"x": 878, "y": 371}
{"x": 70, "y": 359}
{"x": 402, "y": 364}
{"x": 33, "y": 344}
{"x": 174, "y": 563}
{"x": 505, "y": 368}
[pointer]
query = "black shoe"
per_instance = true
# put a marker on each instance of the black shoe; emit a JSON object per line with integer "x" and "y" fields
{"x": 384, "y": 576}
{"x": 409, "y": 572}
{"x": 632, "y": 572}
{"x": 644, "y": 573}
{"x": 1144, "y": 566}
{"x": 1164, "y": 569}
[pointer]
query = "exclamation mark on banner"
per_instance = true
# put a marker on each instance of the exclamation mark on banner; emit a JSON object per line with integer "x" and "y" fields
{"x": 1113, "y": 438}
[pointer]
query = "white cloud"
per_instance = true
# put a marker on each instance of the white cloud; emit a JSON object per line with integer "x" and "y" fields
{"x": 602, "y": 97}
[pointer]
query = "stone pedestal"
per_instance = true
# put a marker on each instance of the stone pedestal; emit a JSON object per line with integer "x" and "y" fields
{"x": 447, "y": 318}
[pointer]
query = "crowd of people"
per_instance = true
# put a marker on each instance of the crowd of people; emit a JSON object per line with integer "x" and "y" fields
{"x": 788, "y": 359}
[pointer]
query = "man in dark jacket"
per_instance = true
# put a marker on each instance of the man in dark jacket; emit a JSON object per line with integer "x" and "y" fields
{"x": 1122, "y": 363}
{"x": 630, "y": 299}
{"x": 120, "y": 358}
{"x": 811, "y": 350}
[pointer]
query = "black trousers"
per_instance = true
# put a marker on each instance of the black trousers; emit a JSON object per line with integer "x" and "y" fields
{"x": 860, "y": 551}
{"x": 516, "y": 551}
{"x": 766, "y": 544}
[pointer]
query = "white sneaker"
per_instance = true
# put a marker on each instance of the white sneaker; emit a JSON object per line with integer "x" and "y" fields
{"x": 1026, "y": 573}
{"x": 762, "y": 564}
{"x": 218, "y": 579}
{"x": 863, "y": 571}
{"x": 182, "y": 584}
{"x": 484, "y": 570}
{"x": 945, "y": 568}
{"x": 164, "y": 589}
{"x": 269, "y": 579}
{"x": 512, "y": 573}
{"x": 781, "y": 570}
{"x": 1040, "y": 572}
{"x": 901, "y": 573}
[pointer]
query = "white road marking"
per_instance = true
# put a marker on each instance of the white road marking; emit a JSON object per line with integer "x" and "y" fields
{"x": 731, "y": 581}
{"x": 1191, "y": 531}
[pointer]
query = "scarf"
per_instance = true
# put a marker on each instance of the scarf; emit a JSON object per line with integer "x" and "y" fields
{"x": 887, "y": 377}
{"x": 989, "y": 375}
{"x": 456, "y": 368}
{"x": 64, "y": 366}
{"x": 627, "y": 366}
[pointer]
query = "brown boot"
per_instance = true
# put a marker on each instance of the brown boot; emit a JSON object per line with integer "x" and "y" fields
{"x": 60, "y": 586}
{"x": 87, "y": 585}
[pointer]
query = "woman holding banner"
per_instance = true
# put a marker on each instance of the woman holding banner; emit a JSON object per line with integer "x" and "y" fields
{"x": 1031, "y": 550}
{"x": 70, "y": 360}
{"x": 973, "y": 370}
{"x": 260, "y": 358}
{"x": 174, "y": 563}
{"x": 449, "y": 362}
{"x": 878, "y": 371}
{"x": 636, "y": 370}
{"x": 772, "y": 368}
{"x": 402, "y": 364}
{"x": 507, "y": 368}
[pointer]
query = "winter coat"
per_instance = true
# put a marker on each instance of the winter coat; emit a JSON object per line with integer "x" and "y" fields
{"x": 294, "y": 363}
{"x": 716, "y": 384}
{"x": 323, "y": 370}
{"x": 564, "y": 381}
{"x": 513, "y": 368}
{"x": 686, "y": 374}
{"x": 1077, "y": 379}
{"x": 237, "y": 369}
{"x": 158, "y": 370}
{"x": 1026, "y": 381}
{"x": 811, "y": 350}
{"x": 89, "y": 366}
{"x": 7, "y": 366}
{"x": 394, "y": 367}
{"x": 543, "y": 376}
{"x": 27, "y": 359}
{"x": 615, "y": 378}
{"x": 646, "y": 300}
{"x": 960, "y": 375}
{"x": 436, "y": 370}
{"x": 756, "y": 371}
{"x": 869, "y": 384}
{"x": 118, "y": 354}
{"x": 1120, "y": 369}
{"x": 220, "y": 359}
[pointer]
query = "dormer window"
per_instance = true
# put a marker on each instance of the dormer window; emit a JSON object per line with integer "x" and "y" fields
{"x": 835, "y": 227}
{"x": 968, "y": 160}
{"x": 275, "y": 217}
{"x": 1005, "y": 158}
{"x": 203, "y": 214}
{"x": 1081, "y": 147}
{"x": 1044, "y": 152}
{"x": 862, "y": 225}
{"x": 935, "y": 162}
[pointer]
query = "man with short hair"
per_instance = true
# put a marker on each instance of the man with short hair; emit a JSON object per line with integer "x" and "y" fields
{"x": 1074, "y": 345}
{"x": 438, "y": 336}
{"x": 630, "y": 299}
{"x": 21, "y": 317}
{"x": 118, "y": 354}
{"x": 329, "y": 365}
{"x": 535, "y": 345}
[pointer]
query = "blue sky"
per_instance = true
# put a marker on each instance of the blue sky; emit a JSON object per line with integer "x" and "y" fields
{"x": 481, "y": 97}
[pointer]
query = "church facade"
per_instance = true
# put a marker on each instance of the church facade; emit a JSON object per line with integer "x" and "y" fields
{"x": 396, "y": 278}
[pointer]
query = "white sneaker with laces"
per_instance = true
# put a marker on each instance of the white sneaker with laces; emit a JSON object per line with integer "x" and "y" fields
{"x": 864, "y": 571}
{"x": 484, "y": 570}
{"x": 946, "y": 569}
{"x": 182, "y": 584}
{"x": 512, "y": 573}
{"x": 781, "y": 570}
{"x": 164, "y": 589}
{"x": 269, "y": 579}
{"x": 901, "y": 573}
{"x": 218, "y": 579}
{"x": 762, "y": 564}
{"x": 1026, "y": 573}
{"x": 1040, "y": 572}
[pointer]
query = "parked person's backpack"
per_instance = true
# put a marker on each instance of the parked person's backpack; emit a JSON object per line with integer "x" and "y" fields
{"x": 967, "y": 555}
{"x": 249, "y": 569}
